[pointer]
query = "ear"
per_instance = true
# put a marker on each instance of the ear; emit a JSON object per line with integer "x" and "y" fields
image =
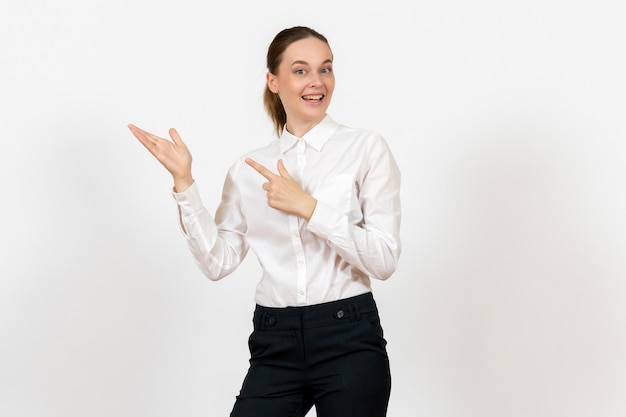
{"x": 272, "y": 82}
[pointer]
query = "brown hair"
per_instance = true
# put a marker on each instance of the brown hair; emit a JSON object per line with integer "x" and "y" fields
{"x": 273, "y": 105}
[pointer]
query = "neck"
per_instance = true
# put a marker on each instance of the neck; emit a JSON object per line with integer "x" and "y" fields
{"x": 301, "y": 127}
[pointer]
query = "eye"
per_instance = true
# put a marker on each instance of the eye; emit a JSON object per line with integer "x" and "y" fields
{"x": 327, "y": 70}
{"x": 299, "y": 71}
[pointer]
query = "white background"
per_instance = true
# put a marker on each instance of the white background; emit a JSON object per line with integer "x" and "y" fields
{"x": 507, "y": 121}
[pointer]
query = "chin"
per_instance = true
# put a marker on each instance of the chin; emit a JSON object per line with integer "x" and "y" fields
{"x": 315, "y": 112}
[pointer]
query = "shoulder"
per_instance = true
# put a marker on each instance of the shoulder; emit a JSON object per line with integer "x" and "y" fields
{"x": 264, "y": 155}
{"x": 369, "y": 139}
{"x": 373, "y": 147}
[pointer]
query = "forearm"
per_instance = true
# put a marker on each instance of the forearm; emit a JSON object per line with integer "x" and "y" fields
{"x": 216, "y": 249}
{"x": 373, "y": 248}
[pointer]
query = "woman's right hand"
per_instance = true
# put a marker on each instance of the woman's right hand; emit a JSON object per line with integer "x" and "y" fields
{"x": 173, "y": 155}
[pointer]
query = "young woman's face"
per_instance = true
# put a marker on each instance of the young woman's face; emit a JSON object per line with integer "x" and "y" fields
{"x": 304, "y": 83}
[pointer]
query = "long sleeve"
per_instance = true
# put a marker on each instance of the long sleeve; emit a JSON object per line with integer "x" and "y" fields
{"x": 217, "y": 245}
{"x": 369, "y": 241}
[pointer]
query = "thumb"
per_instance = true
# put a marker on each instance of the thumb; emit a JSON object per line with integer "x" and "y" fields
{"x": 282, "y": 170}
{"x": 176, "y": 137}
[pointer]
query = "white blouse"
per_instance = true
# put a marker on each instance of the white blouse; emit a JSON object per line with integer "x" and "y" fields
{"x": 352, "y": 236}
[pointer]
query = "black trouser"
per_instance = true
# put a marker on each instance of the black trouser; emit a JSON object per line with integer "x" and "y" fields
{"x": 330, "y": 355}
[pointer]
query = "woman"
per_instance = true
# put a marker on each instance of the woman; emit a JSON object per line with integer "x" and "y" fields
{"x": 320, "y": 208}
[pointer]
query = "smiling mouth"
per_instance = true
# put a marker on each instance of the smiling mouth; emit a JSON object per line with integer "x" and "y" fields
{"x": 314, "y": 98}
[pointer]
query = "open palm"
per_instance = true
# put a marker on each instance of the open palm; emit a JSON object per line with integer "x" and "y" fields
{"x": 172, "y": 154}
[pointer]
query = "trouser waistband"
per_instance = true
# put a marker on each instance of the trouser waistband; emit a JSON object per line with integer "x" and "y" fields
{"x": 318, "y": 315}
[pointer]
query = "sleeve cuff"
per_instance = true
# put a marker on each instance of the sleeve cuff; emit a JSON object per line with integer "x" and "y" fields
{"x": 189, "y": 200}
{"x": 324, "y": 220}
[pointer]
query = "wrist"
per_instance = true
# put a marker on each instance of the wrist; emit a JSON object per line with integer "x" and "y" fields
{"x": 182, "y": 183}
{"x": 309, "y": 208}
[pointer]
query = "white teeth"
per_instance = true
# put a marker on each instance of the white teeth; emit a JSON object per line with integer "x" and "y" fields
{"x": 313, "y": 98}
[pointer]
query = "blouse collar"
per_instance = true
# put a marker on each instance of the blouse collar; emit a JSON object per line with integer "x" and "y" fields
{"x": 316, "y": 137}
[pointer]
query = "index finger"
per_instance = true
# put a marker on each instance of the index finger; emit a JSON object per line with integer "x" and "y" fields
{"x": 260, "y": 169}
{"x": 146, "y": 138}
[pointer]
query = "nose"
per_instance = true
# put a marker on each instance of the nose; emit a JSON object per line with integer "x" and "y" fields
{"x": 315, "y": 80}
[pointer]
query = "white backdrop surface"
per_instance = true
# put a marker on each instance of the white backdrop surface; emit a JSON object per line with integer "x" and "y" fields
{"x": 507, "y": 121}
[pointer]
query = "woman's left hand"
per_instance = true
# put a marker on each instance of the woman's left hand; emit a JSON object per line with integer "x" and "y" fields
{"x": 283, "y": 192}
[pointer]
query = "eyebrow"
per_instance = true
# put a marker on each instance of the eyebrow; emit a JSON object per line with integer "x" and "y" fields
{"x": 328, "y": 61}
